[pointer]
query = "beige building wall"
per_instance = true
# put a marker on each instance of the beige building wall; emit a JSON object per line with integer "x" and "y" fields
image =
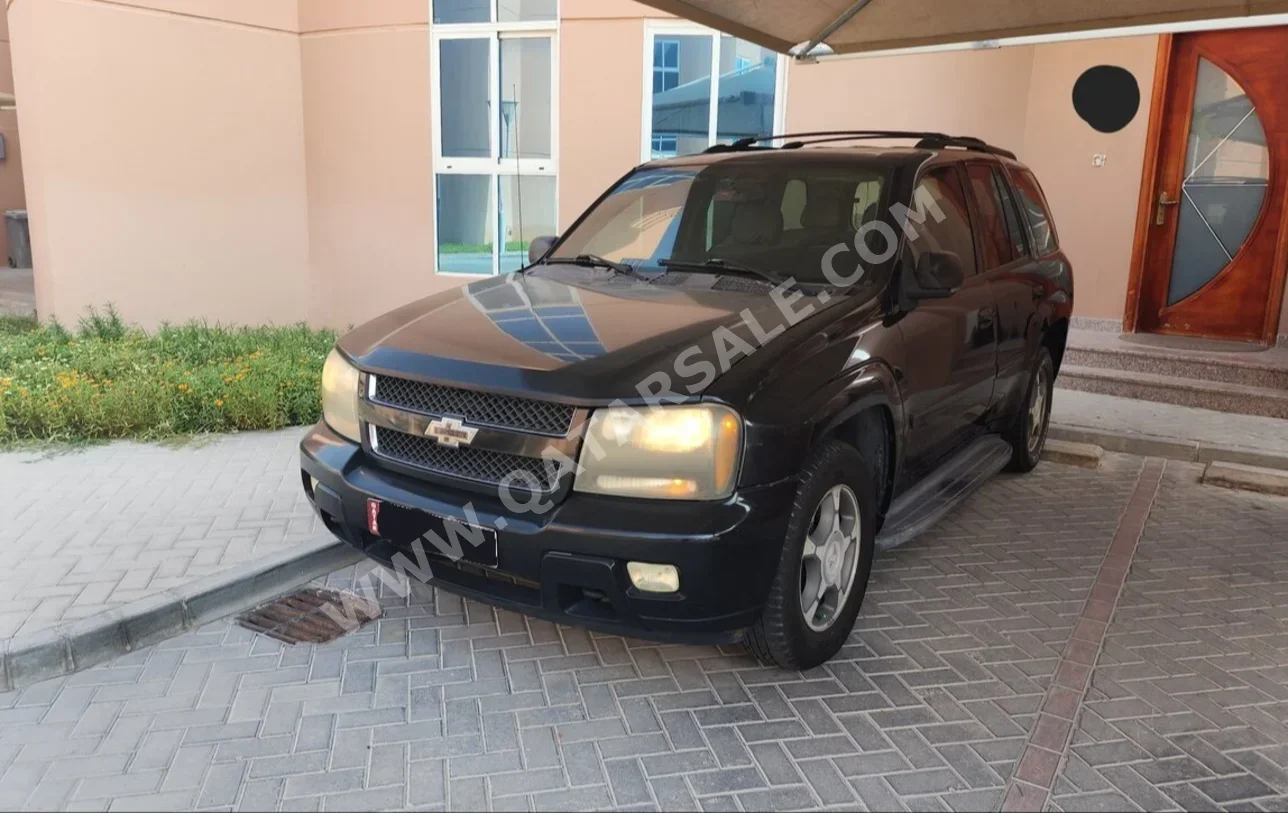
{"x": 266, "y": 160}
{"x": 980, "y": 93}
{"x": 164, "y": 158}
{"x": 12, "y": 195}
{"x": 1094, "y": 207}
{"x": 368, "y": 154}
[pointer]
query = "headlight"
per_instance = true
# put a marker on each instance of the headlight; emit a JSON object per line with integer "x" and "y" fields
{"x": 340, "y": 396}
{"x": 676, "y": 452}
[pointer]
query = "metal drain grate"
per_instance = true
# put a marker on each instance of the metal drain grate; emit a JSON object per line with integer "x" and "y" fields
{"x": 300, "y": 618}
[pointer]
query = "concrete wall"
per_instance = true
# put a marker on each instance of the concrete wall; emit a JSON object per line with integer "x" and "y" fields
{"x": 980, "y": 93}
{"x": 12, "y": 195}
{"x": 367, "y": 143}
{"x": 267, "y": 160}
{"x": 164, "y": 158}
{"x": 600, "y": 104}
{"x": 1094, "y": 207}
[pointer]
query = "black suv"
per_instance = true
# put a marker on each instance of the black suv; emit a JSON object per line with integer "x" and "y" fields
{"x": 695, "y": 415}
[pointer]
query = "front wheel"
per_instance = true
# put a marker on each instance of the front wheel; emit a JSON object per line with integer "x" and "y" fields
{"x": 1029, "y": 433}
{"x": 826, "y": 560}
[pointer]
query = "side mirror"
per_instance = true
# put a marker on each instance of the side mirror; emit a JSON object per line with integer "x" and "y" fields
{"x": 937, "y": 274}
{"x": 539, "y": 247}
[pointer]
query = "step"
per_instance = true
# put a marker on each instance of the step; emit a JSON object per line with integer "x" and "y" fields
{"x": 1220, "y": 396}
{"x": 1265, "y": 369}
{"x": 918, "y": 509}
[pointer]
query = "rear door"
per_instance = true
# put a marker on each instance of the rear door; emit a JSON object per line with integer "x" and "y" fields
{"x": 1009, "y": 266}
{"x": 952, "y": 342}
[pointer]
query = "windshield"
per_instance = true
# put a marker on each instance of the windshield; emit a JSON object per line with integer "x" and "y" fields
{"x": 782, "y": 218}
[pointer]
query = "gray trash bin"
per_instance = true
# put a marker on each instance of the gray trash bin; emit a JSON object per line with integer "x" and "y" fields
{"x": 19, "y": 238}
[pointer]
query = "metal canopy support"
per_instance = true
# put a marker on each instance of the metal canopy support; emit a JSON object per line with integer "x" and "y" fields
{"x": 805, "y": 53}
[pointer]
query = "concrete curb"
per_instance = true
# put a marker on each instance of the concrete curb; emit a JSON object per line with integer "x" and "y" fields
{"x": 71, "y": 647}
{"x": 1190, "y": 451}
{"x": 1247, "y": 478}
{"x": 1083, "y": 455}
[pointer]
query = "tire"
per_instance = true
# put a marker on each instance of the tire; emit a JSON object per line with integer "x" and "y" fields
{"x": 1028, "y": 434}
{"x": 784, "y": 636}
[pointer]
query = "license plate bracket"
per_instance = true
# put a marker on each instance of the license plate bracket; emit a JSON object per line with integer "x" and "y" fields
{"x": 403, "y": 525}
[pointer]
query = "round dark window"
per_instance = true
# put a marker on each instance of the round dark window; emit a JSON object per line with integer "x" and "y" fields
{"x": 1107, "y": 97}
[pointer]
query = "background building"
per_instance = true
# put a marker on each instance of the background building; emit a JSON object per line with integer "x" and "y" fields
{"x": 326, "y": 160}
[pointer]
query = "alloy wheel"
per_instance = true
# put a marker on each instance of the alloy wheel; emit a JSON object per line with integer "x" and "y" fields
{"x": 830, "y": 558}
{"x": 1038, "y": 407}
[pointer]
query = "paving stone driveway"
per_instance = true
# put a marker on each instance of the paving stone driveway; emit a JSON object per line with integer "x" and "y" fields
{"x": 88, "y": 531}
{"x": 450, "y": 704}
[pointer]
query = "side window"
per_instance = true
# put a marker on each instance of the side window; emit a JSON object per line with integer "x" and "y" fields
{"x": 1035, "y": 208}
{"x": 997, "y": 246}
{"x": 953, "y": 233}
{"x": 1014, "y": 225}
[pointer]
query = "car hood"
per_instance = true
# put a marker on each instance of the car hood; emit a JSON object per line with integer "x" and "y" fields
{"x": 576, "y": 335}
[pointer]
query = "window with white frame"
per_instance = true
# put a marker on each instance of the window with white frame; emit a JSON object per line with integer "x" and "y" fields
{"x": 707, "y": 88}
{"x": 666, "y": 64}
{"x": 494, "y": 90}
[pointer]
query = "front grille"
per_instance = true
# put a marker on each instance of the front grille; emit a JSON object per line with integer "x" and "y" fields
{"x": 480, "y": 465}
{"x": 476, "y": 408}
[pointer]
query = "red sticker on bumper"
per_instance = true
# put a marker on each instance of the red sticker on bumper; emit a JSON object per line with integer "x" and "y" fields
{"x": 373, "y": 516}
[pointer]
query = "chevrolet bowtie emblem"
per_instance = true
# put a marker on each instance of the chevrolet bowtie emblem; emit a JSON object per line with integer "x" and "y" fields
{"x": 451, "y": 432}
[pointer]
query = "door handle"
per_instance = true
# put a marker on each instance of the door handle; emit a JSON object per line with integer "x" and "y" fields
{"x": 1160, "y": 213}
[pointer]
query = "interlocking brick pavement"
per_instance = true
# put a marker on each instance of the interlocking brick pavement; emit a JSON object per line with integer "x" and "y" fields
{"x": 1188, "y": 705}
{"x": 88, "y": 531}
{"x": 445, "y": 703}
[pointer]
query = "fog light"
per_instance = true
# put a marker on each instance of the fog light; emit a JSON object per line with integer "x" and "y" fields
{"x": 654, "y": 578}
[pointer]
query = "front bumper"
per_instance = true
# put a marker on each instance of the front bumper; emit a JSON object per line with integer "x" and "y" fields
{"x": 568, "y": 565}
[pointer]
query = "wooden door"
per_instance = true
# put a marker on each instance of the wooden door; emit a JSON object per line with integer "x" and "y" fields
{"x": 1213, "y": 262}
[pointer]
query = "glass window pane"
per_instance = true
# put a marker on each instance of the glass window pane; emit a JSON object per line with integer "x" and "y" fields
{"x": 1035, "y": 206}
{"x": 682, "y": 93}
{"x": 525, "y": 98}
{"x": 795, "y": 197}
{"x": 464, "y": 11}
{"x": 745, "y": 90}
{"x": 1014, "y": 227}
{"x": 514, "y": 11}
{"x": 463, "y": 92}
{"x": 527, "y": 210}
{"x": 953, "y": 233}
{"x": 1226, "y": 137}
{"x": 997, "y": 243}
{"x": 1227, "y": 168}
{"x": 465, "y": 223}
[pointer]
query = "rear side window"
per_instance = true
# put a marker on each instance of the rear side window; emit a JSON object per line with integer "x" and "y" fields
{"x": 953, "y": 233}
{"x": 1014, "y": 225}
{"x": 997, "y": 246}
{"x": 1039, "y": 214}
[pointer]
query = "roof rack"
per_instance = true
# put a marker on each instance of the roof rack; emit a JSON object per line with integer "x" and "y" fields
{"x": 925, "y": 140}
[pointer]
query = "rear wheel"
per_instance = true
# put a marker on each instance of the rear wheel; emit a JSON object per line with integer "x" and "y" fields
{"x": 827, "y": 557}
{"x": 1029, "y": 433}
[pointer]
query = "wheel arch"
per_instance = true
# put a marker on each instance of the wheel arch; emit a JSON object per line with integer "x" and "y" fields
{"x": 1055, "y": 337}
{"x": 870, "y": 419}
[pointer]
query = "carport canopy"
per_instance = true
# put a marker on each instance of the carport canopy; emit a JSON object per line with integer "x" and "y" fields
{"x": 847, "y": 26}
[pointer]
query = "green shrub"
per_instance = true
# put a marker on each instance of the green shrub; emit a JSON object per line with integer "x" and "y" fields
{"x": 111, "y": 380}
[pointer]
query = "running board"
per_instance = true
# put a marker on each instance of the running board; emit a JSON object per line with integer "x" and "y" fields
{"x": 915, "y": 511}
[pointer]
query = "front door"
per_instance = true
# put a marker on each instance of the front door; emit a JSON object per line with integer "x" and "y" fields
{"x": 1213, "y": 263}
{"x": 948, "y": 388}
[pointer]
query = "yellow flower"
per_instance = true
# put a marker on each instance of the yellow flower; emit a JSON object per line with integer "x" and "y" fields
{"x": 219, "y": 402}
{"x": 183, "y": 388}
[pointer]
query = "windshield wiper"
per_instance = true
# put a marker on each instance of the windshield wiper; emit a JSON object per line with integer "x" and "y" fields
{"x": 719, "y": 266}
{"x": 594, "y": 261}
